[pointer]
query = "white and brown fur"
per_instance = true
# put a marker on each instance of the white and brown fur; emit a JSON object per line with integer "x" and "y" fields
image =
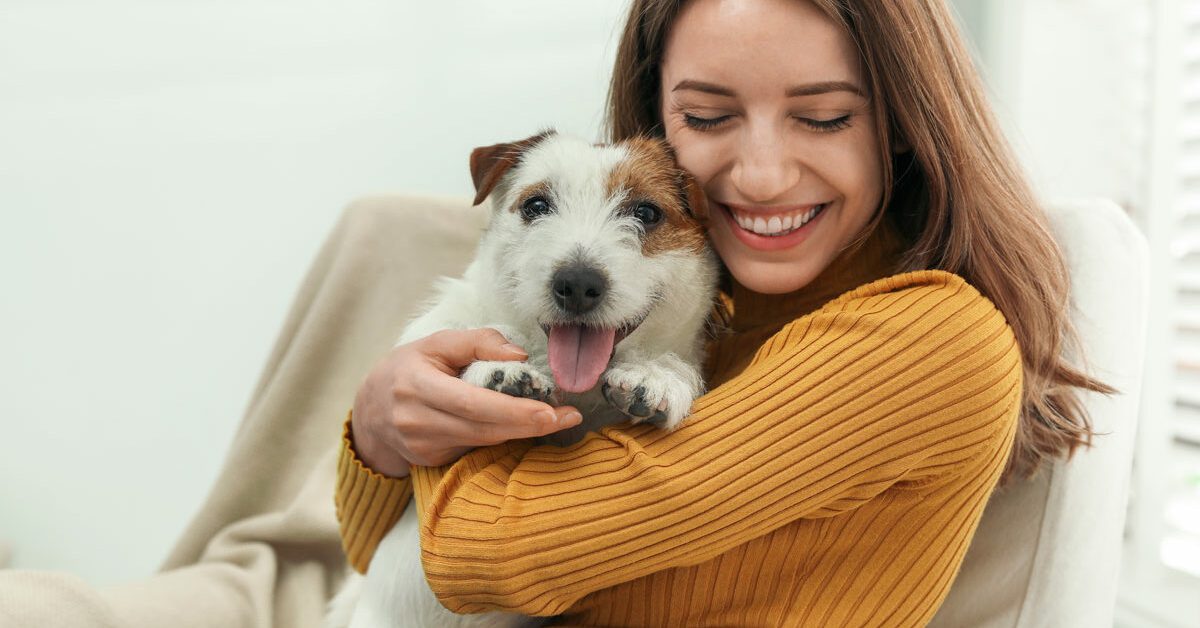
{"x": 661, "y": 278}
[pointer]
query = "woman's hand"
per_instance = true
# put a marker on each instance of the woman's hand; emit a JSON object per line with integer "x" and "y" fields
{"x": 413, "y": 408}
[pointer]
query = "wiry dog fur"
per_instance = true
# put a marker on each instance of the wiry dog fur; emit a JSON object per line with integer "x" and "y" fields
{"x": 564, "y": 211}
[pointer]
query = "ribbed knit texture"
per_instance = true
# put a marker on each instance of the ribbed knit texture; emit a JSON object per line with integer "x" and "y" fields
{"x": 367, "y": 503}
{"x": 833, "y": 476}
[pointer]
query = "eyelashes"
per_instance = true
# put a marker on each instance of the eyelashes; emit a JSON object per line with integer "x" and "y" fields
{"x": 703, "y": 124}
{"x": 835, "y": 124}
{"x": 706, "y": 124}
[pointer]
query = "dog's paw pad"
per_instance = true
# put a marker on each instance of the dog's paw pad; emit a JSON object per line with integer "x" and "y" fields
{"x": 633, "y": 403}
{"x": 647, "y": 394}
{"x": 661, "y": 420}
{"x": 517, "y": 379}
{"x": 522, "y": 386}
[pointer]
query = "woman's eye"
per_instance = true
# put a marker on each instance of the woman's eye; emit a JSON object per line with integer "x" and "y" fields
{"x": 836, "y": 124}
{"x": 648, "y": 214}
{"x": 703, "y": 124}
{"x": 534, "y": 207}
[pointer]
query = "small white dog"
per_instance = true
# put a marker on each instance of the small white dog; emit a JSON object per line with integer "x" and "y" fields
{"x": 596, "y": 263}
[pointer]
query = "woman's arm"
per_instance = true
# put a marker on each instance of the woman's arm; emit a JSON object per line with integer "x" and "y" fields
{"x": 412, "y": 408}
{"x": 908, "y": 379}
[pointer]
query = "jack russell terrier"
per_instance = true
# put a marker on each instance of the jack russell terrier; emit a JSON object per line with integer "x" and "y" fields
{"x": 596, "y": 263}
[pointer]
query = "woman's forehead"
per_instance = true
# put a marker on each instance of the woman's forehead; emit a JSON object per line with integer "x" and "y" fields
{"x": 758, "y": 44}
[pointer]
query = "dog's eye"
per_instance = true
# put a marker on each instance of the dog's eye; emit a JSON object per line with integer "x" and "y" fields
{"x": 648, "y": 214}
{"x": 535, "y": 206}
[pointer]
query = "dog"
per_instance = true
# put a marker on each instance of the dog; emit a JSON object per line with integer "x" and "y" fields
{"x": 596, "y": 262}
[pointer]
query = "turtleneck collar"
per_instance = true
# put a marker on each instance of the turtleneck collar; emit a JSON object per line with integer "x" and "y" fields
{"x": 875, "y": 259}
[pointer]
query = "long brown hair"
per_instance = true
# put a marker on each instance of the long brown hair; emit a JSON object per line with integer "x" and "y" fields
{"x": 955, "y": 190}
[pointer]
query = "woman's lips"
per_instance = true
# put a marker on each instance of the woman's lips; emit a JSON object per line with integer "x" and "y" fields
{"x": 771, "y": 243}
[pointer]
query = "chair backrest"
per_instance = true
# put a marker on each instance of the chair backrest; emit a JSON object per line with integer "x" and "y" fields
{"x": 1047, "y": 552}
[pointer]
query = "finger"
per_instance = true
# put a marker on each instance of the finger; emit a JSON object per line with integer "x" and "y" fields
{"x": 568, "y": 414}
{"x": 481, "y": 433}
{"x": 451, "y": 394}
{"x": 459, "y": 348}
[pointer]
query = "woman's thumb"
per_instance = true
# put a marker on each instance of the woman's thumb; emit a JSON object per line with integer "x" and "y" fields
{"x": 492, "y": 345}
{"x": 461, "y": 348}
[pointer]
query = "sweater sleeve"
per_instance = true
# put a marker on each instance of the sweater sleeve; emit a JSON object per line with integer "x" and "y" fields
{"x": 910, "y": 379}
{"x": 368, "y": 504}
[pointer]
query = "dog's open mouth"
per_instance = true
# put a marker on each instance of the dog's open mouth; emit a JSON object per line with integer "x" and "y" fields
{"x": 580, "y": 353}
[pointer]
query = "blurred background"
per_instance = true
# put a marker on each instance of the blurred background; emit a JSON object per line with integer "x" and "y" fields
{"x": 168, "y": 170}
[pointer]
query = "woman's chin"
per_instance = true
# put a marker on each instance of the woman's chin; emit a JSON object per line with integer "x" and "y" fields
{"x": 770, "y": 277}
{"x": 759, "y": 271}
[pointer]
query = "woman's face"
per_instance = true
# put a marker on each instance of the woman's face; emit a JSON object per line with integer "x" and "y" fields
{"x": 765, "y": 104}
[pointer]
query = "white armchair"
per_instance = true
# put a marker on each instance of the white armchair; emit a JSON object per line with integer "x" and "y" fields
{"x": 1048, "y": 551}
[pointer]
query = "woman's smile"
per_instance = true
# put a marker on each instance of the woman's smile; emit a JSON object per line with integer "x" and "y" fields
{"x": 772, "y": 228}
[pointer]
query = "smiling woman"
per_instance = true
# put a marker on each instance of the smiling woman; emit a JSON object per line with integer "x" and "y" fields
{"x": 894, "y": 351}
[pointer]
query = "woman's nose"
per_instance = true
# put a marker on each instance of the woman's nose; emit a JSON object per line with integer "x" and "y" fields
{"x": 764, "y": 171}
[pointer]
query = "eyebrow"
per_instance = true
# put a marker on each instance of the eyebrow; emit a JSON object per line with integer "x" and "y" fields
{"x": 810, "y": 89}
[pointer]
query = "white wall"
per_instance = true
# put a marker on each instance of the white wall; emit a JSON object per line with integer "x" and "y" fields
{"x": 167, "y": 171}
{"x": 1070, "y": 82}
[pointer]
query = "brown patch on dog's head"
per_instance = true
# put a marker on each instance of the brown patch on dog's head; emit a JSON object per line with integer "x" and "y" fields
{"x": 489, "y": 163}
{"x": 650, "y": 175}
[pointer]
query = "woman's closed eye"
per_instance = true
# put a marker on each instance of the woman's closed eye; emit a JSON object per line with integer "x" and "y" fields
{"x": 704, "y": 124}
{"x": 832, "y": 124}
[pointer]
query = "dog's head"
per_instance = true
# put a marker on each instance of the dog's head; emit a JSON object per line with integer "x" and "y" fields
{"x": 591, "y": 241}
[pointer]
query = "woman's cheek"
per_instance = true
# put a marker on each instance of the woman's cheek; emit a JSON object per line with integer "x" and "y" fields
{"x": 696, "y": 155}
{"x": 853, "y": 169}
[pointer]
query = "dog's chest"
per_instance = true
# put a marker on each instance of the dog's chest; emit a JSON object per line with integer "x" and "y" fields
{"x": 597, "y": 413}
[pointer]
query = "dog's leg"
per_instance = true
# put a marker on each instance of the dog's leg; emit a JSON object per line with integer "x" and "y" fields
{"x": 340, "y": 609}
{"x": 659, "y": 389}
{"x": 531, "y": 378}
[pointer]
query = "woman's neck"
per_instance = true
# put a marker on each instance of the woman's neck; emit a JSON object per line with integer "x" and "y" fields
{"x": 875, "y": 259}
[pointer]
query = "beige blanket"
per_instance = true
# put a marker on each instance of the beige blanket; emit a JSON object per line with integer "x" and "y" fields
{"x": 263, "y": 549}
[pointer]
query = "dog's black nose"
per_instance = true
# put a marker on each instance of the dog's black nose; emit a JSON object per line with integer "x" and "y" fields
{"x": 577, "y": 288}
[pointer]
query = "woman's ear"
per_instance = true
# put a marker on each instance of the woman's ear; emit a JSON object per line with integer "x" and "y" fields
{"x": 489, "y": 163}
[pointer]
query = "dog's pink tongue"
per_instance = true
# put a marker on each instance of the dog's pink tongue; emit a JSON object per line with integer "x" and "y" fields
{"x": 578, "y": 355}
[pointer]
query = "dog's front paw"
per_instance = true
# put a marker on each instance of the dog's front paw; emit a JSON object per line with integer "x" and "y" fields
{"x": 518, "y": 379}
{"x": 645, "y": 393}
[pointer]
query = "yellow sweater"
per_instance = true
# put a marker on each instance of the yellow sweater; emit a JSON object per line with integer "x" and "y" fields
{"x": 833, "y": 475}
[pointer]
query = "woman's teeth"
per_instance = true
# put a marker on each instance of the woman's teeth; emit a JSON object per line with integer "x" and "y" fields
{"x": 776, "y": 225}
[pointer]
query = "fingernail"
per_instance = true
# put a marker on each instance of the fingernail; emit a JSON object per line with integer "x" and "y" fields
{"x": 514, "y": 349}
{"x": 572, "y": 418}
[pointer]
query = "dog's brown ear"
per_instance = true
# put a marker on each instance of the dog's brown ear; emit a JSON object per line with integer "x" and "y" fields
{"x": 694, "y": 198}
{"x": 489, "y": 163}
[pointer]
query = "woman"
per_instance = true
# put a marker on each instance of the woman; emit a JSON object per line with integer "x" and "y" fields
{"x": 859, "y": 415}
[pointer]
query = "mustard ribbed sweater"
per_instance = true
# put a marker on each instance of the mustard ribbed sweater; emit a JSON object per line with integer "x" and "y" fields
{"x": 833, "y": 475}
